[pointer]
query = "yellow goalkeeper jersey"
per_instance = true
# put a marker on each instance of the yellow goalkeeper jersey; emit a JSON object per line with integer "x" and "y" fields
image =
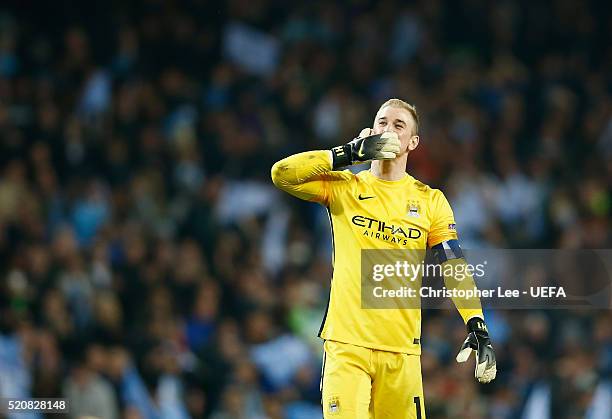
{"x": 368, "y": 213}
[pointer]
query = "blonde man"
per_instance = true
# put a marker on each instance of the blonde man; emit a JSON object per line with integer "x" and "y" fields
{"x": 372, "y": 357}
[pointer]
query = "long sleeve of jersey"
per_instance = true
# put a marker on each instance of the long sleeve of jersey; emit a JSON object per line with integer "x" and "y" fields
{"x": 307, "y": 176}
{"x": 462, "y": 280}
{"x": 443, "y": 228}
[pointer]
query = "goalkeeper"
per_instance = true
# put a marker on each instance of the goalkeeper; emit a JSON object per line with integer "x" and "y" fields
{"x": 371, "y": 365}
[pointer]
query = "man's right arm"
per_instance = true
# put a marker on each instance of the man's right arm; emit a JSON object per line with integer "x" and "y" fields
{"x": 308, "y": 175}
{"x": 305, "y": 175}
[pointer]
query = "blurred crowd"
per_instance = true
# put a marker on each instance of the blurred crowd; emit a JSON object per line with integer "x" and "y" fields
{"x": 148, "y": 267}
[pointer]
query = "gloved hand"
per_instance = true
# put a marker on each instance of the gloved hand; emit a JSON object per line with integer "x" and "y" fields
{"x": 366, "y": 147}
{"x": 478, "y": 341}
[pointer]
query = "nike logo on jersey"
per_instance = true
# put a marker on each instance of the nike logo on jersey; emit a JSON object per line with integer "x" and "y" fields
{"x": 361, "y": 198}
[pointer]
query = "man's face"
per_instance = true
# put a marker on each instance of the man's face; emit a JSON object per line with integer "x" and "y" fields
{"x": 398, "y": 120}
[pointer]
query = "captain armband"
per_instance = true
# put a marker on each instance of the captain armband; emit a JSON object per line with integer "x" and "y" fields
{"x": 447, "y": 250}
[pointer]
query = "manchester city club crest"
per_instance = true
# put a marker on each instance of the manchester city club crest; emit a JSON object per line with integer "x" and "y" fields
{"x": 414, "y": 209}
{"x": 334, "y": 405}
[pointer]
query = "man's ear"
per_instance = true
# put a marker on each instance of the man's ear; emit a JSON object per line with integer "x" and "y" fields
{"x": 413, "y": 142}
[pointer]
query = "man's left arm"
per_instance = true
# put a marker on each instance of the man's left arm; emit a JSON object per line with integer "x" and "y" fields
{"x": 444, "y": 243}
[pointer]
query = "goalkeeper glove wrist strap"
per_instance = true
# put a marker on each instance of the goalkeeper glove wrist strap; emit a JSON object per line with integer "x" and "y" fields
{"x": 341, "y": 156}
{"x": 478, "y": 326}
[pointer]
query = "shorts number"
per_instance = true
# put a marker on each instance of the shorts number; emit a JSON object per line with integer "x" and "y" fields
{"x": 417, "y": 406}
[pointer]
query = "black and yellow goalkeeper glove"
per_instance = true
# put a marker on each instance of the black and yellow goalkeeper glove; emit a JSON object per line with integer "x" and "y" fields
{"x": 479, "y": 342}
{"x": 385, "y": 146}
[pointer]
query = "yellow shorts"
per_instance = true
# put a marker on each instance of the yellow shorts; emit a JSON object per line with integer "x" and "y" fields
{"x": 363, "y": 383}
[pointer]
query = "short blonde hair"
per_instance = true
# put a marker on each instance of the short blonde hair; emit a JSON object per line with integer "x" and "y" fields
{"x": 398, "y": 103}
